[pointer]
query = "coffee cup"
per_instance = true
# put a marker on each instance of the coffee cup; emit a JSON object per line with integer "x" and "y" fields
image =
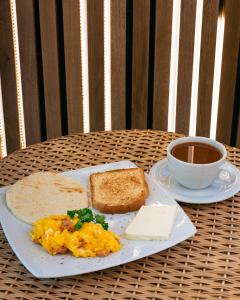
{"x": 198, "y": 175}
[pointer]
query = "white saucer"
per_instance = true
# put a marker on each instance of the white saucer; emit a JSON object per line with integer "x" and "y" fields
{"x": 216, "y": 192}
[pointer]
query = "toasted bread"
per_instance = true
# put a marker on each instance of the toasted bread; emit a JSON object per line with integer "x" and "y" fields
{"x": 118, "y": 191}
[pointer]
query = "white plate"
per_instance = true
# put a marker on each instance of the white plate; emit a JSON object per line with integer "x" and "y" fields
{"x": 216, "y": 192}
{"x": 43, "y": 265}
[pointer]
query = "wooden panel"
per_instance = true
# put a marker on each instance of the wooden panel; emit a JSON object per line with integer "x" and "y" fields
{"x": 48, "y": 28}
{"x": 238, "y": 132}
{"x": 29, "y": 70}
{"x": 185, "y": 65}
{"x": 72, "y": 49}
{"x": 8, "y": 79}
{"x": 96, "y": 64}
{"x": 141, "y": 26}
{"x": 118, "y": 65}
{"x": 235, "y": 134}
{"x": 162, "y": 63}
{"x": 206, "y": 70}
{"x": 229, "y": 70}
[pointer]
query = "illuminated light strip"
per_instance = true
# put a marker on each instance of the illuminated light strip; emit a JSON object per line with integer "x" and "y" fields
{"x": 217, "y": 74}
{"x": 172, "y": 101}
{"x": 84, "y": 64}
{"x": 107, "y": 64}
{"x": 195, "y": 72}
{"x": 2, "y": 127}
{"x": 18, "y": 74}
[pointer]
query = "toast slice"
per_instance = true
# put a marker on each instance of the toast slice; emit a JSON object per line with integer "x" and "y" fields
{"x": 118, "y": 191}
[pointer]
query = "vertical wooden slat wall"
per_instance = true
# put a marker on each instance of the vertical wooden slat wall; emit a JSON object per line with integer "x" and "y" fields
{"x": 50, "y": 58}
{"x": 118, "y": 63}
{"x": 51, "y": 76}
{"x": 72, "y": 51}
{"x": 8, "y": 79}
{"x": 185, "y": 65}
{"x": 29, "y": 70}
{"x": 96, "y": 63}
{"x": 206, "y": 70}
{"x": 238, "y": 133}
{"x": 163, "y": 33}
{"x": 141, "y": 26}
{"x": 229, "y": 70}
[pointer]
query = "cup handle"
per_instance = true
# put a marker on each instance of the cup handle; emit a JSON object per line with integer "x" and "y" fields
{"x": 226, "y": 174}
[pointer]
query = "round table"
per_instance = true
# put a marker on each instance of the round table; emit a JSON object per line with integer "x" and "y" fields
{"x": 206, "y": 266}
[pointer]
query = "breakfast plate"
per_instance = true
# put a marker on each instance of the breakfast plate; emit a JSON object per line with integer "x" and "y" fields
{"x": 43, "y": 265}
{"x": 221, "y": 189}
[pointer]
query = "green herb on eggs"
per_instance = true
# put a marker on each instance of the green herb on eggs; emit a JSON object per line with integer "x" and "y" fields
{"x": 86, "y": 215}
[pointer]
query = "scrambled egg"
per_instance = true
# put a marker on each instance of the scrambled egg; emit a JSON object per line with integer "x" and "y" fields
{"x": 57, "y": 234}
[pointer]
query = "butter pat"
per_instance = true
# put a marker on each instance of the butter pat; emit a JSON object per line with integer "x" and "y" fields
{"x": 152, "y": 223}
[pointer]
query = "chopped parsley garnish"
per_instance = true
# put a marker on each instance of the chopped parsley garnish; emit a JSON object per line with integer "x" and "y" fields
{"x": 78, "y": 225}
{"x": 104, "y": 225}
{"x": 86, "y": 215}
{"x": 71, "y": 213}
{"x": 100, "y": 219}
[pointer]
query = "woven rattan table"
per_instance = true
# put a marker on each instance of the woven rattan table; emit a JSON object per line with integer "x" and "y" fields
{"x": 206, "y": 266}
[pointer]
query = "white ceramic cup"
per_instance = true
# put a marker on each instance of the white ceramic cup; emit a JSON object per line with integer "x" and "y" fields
{"x": 198, "y": 176}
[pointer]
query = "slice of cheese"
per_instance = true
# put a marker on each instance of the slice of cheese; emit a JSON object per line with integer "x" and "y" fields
{"x": 152, "y": 223}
